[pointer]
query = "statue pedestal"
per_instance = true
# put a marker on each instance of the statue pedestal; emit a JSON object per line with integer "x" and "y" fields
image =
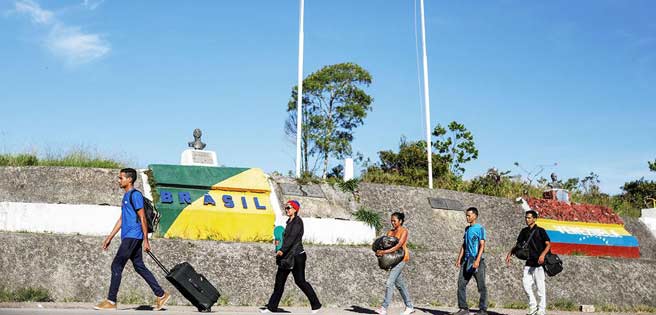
{"x": 199, "y": 157}
{"x": 557, "y": 194}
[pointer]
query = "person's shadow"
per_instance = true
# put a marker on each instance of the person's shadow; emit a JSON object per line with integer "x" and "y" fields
{"x": 436, "y": 312}
{"x": 433, "y": 312}
{"x": 360, "y": 310}
{"x": 144, "y": 308}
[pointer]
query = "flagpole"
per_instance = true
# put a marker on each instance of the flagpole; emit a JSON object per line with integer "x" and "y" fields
{"x": 299, "y": 99}
{"x": 429, "y": 150}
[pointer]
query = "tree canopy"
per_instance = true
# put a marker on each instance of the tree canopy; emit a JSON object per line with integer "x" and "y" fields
{"x": 334, "y": 104}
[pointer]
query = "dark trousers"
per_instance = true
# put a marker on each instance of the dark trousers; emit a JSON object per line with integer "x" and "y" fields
{"x": 463, "y": 280}
{"x": 299, "y": 279}
{"x": 130, "y": 249}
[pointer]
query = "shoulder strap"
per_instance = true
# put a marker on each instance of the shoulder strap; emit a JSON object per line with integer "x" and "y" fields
{"x": 130, "y": 197}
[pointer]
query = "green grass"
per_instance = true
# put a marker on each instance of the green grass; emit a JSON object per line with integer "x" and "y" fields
{"x": 350, "y": 185}
{"x": 516, "y": 305}
{"x": 563, "y": 305}
{"x": 75, "y": 158}
{"x": 287, "y": 301}
{"x": 133, "y": 298}
{"x": 613, "y": 308}
{"x": 25, "y": 295}
{"x": 223, "y": 301}
{"x": 369, "y": 217}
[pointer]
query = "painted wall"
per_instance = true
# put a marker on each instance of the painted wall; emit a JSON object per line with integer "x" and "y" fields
{"x": 215, "y": 203}
{"x": 58, "y": 218}
{"x": 648, "y": 217}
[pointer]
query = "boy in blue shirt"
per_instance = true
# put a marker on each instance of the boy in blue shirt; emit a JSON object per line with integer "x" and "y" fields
{"x": 472, "y": 263}
{"x": 134, "y": 234}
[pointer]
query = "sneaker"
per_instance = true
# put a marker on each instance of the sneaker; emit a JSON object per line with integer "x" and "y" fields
{"x": 105, "y": 305}
{"x": 264, "y": 310}
{"x": 160, "y": 301}
{"x": 381, "y": 311}
{"x": 482, "y": 312}
{"x": 315, "y": 311}
{"x": 461, "y": 311}
{"x": 408, "y": 311}
{"x": 533, "y": 312}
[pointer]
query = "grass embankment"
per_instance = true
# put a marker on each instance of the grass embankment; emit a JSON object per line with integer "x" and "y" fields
{"x": 77, "y": 158}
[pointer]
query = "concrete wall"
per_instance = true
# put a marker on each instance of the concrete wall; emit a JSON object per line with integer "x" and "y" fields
{"x": 70, "y": 185}
{"x": 75, "y": 268}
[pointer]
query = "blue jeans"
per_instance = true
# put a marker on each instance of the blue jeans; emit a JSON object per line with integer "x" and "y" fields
{"x": 463, "y": 279}
{"x": 395, "y": 279}
{"x": 130, "y": 249}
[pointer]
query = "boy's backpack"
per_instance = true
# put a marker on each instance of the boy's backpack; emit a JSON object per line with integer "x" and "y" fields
{"x": 152, "y": 216}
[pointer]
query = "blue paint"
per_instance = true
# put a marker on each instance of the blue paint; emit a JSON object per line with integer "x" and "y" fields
{"x": 184, "y": 197}
{"x": 257, "y": 204}
{"x": 227, "y": 201}
{"x": 208, "y": 200}
{"x": 620, "y": 240}
{"x": 165, "y": 196}
{"x": 243, "y": 203}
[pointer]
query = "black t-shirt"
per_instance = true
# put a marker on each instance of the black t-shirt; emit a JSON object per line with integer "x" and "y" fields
{"x": 536, "y": 245}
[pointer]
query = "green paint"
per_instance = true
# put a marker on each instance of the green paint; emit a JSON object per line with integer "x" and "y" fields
{"x": 170, "y": 211}
{"x": 192, "y": 176}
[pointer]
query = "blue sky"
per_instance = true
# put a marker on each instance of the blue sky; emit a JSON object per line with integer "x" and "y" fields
{"x": 536, "y": 82}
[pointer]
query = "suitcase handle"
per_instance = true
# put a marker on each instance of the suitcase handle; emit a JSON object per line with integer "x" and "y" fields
{"x": 158, "y": 262}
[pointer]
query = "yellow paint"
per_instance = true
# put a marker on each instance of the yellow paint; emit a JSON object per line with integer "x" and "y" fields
{"x": 216, "y": 222}
{"x": 607, "y": 228}
{"x": 253, "y": 180}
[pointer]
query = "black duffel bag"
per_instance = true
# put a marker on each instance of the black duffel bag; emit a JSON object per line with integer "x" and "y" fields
{"x": 552, "y": 264}
{"x": 388, "y": 261}
{"x": 521, "y": 248}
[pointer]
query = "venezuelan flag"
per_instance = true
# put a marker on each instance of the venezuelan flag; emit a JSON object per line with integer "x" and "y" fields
{"x": 592, "y": 239}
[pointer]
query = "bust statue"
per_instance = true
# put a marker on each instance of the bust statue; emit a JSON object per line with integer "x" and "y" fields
{"x": 555, "y": 184}
{"x": 197, "y": 144}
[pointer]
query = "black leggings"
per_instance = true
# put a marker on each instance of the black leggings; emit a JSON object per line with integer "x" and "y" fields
{"x": 299, "y": 279}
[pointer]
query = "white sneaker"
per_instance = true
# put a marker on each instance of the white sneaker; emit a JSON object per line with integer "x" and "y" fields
{"x": 381, "y": 311}
{"x": 264, "y": 310}
{"x": 408, "y": 310}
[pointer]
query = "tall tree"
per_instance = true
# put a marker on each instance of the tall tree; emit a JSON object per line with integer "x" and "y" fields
{"x": 334, "y": 104}
{"x": 652, "y": 165}
{"x": 456, "y": 146}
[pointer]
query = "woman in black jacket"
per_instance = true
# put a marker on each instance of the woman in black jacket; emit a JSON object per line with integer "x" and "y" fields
{"x": 291, "y": 258}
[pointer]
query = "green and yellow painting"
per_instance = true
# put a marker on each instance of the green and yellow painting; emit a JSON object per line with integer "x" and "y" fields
{"x": 215, "y": 203}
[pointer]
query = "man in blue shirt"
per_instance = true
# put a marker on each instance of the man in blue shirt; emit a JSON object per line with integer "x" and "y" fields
{"x": 472, "y": 263}
{"x": 134, "y": 234}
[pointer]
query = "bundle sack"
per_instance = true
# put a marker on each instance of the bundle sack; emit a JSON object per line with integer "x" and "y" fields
{"x": 388, "y": 261}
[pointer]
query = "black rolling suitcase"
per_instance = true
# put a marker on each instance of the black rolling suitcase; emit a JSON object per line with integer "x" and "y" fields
{"x": 193, "y": 286}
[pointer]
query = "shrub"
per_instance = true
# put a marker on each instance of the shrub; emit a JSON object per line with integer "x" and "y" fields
{"x": 369, "y": 217}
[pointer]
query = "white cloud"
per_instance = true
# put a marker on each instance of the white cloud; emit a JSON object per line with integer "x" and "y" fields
{"x": 67, "y": 42}
{"x": 38, "y": 15}
{"x": 92, "y": 4}
{"x": 75, "y": 46}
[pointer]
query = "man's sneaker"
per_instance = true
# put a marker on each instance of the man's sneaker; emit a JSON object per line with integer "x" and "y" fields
{"x": 264, "y": 310}
{"x": 482, "y": 312}
{"x": 533, "y": 312}
{"x": 315, "y": 311}
{"x": 160, "y": 301}
{"x": 408, "y": 311}
{"x": 381, "y": 311}
{"x": 105, "y": 305}
{"x": 461, "y": 311}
